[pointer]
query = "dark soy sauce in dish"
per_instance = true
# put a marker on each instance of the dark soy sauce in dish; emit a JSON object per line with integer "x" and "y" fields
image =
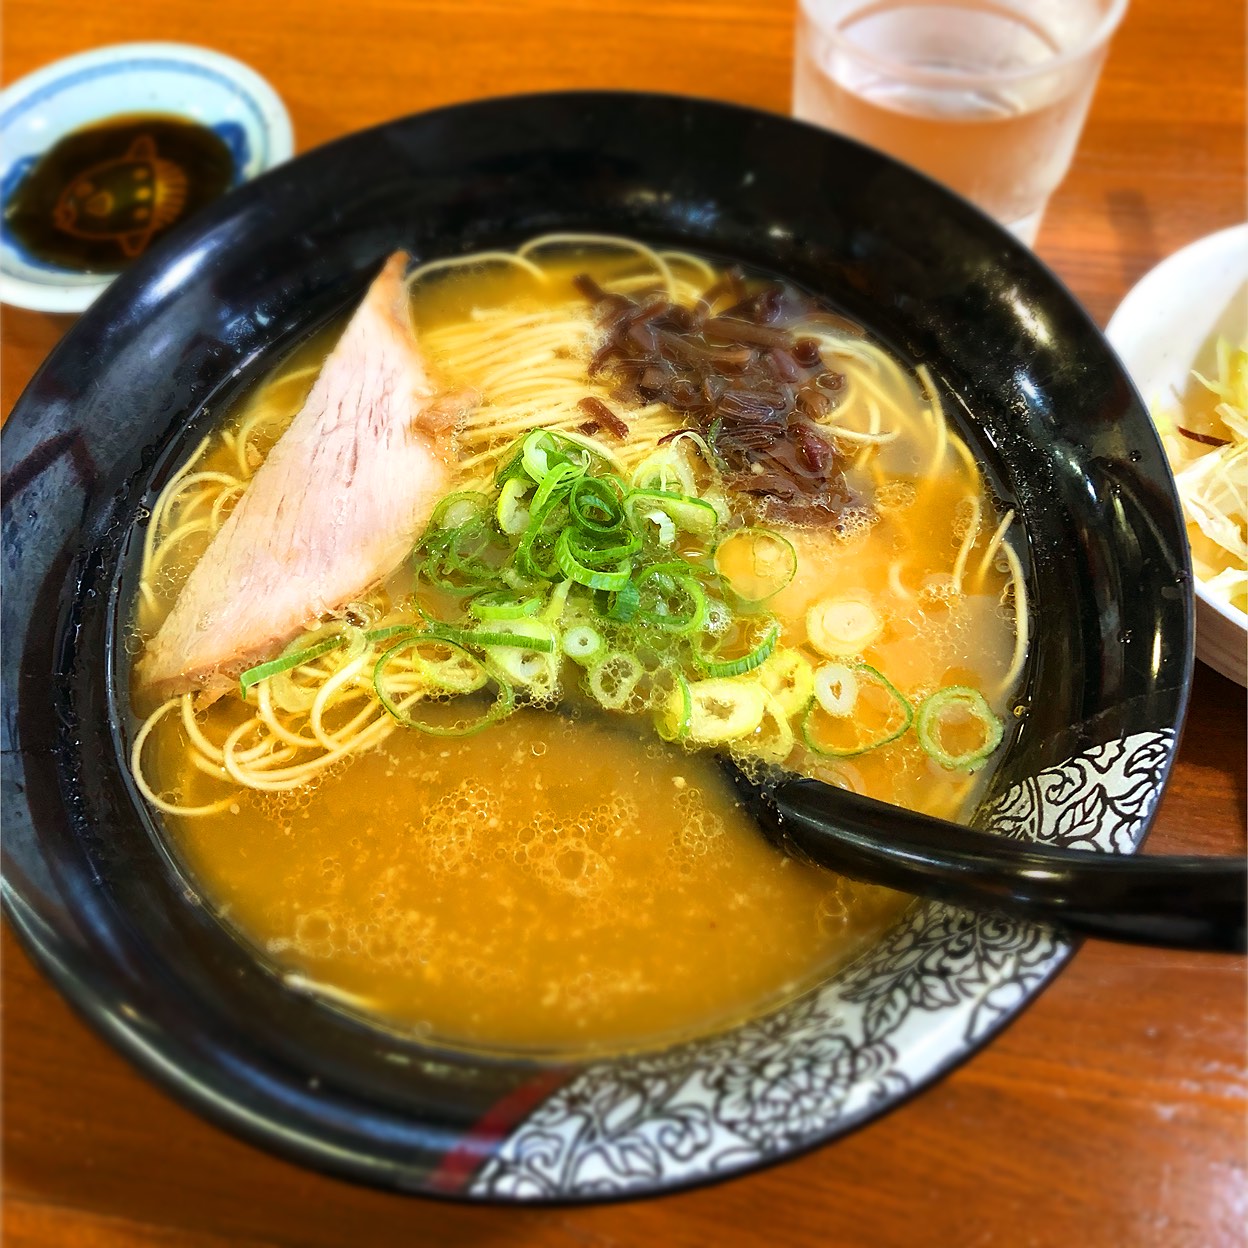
{"x": 97, "y": 198}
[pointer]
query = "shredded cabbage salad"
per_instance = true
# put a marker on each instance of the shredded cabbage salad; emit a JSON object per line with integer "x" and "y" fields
{"x": 1210, "y": 466}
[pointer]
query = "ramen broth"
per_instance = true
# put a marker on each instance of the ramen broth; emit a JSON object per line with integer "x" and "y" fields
{"x": 564, "y": 880}
{"x": 553, "y": 884}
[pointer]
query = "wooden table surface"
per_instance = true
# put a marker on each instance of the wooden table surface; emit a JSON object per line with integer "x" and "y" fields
{"x": 1111, "y": 1114}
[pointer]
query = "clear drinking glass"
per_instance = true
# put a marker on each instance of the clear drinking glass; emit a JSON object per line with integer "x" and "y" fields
{"x": 987, "y": 96}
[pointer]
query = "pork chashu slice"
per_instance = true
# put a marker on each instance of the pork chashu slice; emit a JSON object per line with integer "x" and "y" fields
{"x": 332, "y": 511}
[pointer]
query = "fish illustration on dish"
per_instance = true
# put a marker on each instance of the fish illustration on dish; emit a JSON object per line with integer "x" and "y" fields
{"x": 127, "y": 198}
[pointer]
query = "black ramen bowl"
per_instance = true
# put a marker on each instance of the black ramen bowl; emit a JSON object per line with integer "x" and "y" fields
{"x": 110, "y": 916}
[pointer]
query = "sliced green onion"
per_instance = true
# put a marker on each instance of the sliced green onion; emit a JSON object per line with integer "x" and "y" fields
{"x": 390, "y": 630}
{"x": 455, "y": 672}
{"x": 622, "y": 606}
{"x": 670, "y": 599}
{"x": 724, "y": 710}
{"x": 521, "y": 634}
{"x": 560, "y": 561}
{"x": 535, "y": 453}
{"x": 690, "y": 514}
{"x": 396, "y": 702}
{"x": 554, "y": 487}
{"x": 543, "y": 450}
{"x": 596, "y": 556}
{"x": 535, "y": 555}
{"x": 764, "y": 638}
{"x": 661, "y": 521}
{"x": 674, "y": 713}
{"x": 700, "y": 444}
{"x": 465, "y": 558}
{"x": 512, "y": 466}
{"x": 459, "y": 509}
{"x": 510, "y": 635}
{"x": 612, "y": 680}
{"x": 593, "y": 578}
{"x": 595, "y": 504}
{"x": 528, "y": 651}
{"x": 787, "y": 676}
{"x": 584, "y": 644}
{"x": 717, "y": 499}
{"x": 755, "y": 564}
{"x": 512, "y": 513}
{"x": 553, "y": 611}
{"x": 665, "y": 469}
{"x": 504, "y": 604}
{"x": 930, "y": 720}
{"x": 303, "y": 650}
{"x": 837, "y": 736}
{"x": 772, "y": 746}
{"x": 254, "y": 675}
{"x": 836, "y": 688}
{"x": 841, "y": 626}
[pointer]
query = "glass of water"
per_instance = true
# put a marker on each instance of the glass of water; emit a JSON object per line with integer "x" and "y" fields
{"x": 987, "y": 96}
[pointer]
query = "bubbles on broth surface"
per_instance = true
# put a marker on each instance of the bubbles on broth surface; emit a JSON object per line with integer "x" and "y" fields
{"x": 625, "y": 898}
{"x": 895, "y": 496}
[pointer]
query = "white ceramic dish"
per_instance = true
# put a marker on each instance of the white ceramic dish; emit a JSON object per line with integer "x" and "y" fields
{"x": 179, "y": 79}
{"x": 1159, "y": 330}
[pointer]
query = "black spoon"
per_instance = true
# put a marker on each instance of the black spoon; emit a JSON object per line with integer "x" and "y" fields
{"x": 1173, "y": 902}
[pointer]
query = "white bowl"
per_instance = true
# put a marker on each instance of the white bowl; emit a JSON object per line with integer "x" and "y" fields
{"x": 1159, "y": 330}
{"x": 174, "y": 78}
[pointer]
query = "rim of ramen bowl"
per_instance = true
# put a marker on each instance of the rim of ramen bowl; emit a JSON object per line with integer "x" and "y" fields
{"x": 126, "y": 938}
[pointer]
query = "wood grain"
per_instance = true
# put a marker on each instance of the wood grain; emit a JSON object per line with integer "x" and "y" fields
{"x": 1111, "y": 1114}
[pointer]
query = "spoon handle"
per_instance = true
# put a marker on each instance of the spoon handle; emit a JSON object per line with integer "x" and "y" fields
{"x": 1168, "y": 901}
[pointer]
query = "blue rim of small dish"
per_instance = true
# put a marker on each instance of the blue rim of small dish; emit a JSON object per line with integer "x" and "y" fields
{"x": 264, "y": 141}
